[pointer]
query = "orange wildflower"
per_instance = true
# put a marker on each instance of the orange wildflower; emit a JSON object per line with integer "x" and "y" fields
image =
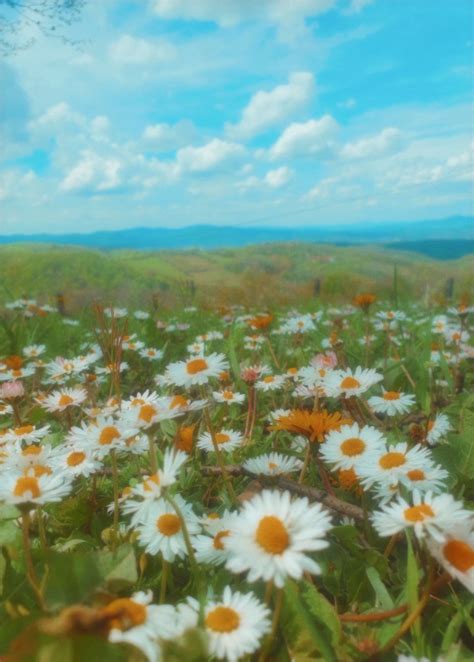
{"x": 365, "y": 300}
{"x": 312, "y": 424}
{"x": 185, "y": 438}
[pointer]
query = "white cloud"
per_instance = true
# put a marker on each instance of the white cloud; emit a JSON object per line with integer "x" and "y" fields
{"x": 58, "y": 114}
{"x": 231, "y": 12}
{"x": 131, "y": 50}
{"x": 166, "y": 137}
{"x": 93, "y": 173}
{"x": 358, "y": 5}
{"x": 381, "y": 144}
{"x": 278, "y": 177}
{"x": 266, "y": 109}
{"x": 314, "y": 137}
{"x": 214, "y": 154}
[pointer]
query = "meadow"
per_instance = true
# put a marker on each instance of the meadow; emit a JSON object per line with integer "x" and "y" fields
{"x": 204, "y": 456}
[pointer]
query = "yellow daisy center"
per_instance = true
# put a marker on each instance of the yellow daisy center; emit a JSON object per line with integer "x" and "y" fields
{"x": 168, "y": 524}
{"x": 392, "y": 460}
{"x": 418, "y": 513}
{"x": 76, "y": 458}
{"x": 24, "y": 429}
{"x": 352, "y": 446}
{"x": 195, "y": 366}
{"x": 146, "y": 413}
{"x": 27, "y": 484}
{"x": 222, "y": 619}
{"x": 218, "y": 539}
{"x": 221, "y": 438}
{"x": 416, "y": 474}
{"x": 391, "y": 395}
{"x": 65, "y": 401}
{"x": 460, "y": 554}
{"x": 349, "y": 383}
{"x": 108, "y": 434}
{"x": 272, "y": 535}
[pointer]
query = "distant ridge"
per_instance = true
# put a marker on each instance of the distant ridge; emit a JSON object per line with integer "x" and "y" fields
{"x": 211, "y": 236}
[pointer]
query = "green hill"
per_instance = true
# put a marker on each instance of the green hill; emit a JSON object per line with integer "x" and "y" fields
{"x": 263, "y": 274}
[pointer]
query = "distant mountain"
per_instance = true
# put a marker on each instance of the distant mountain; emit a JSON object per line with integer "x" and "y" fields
{"x": 211, "y": 236}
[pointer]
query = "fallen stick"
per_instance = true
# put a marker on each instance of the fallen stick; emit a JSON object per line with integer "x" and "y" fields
{"x": 312, "y": 493}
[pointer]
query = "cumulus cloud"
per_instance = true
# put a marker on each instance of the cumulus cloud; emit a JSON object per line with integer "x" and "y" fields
{"x": 311, "y": 138}
{"x": 266, "y": 109}
{"x": 131, "y": 50}
{"x": 93, "y": 173}
{"x": 215, "y": 154}
{"x": 167, "y": 137}
{"x": 230, "y": 12}
{"x": 278, "y": 177}
{"x": 381, "y": 144}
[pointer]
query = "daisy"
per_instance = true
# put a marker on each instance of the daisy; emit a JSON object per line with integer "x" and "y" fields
{"x": 348, "y": 383}
{"x": 391, "y": 403}
{"x": 392, "y": 464}
{"x": 77, "y": 461}
{"x": 5, "y": 409}
{"x": 161, "y": 530}
{"x": 196, "y": 371}
{"x": 226, "y": 440}
{"x": 235, "y": 625}
{"x": 141, "y": 315}
{"x": 347, "y": 447}
{"x": 151, "y": 353}
{"x": 270, "y": 383}
{"x": 64, "y": 398}
{"x": 430, "y": 478}
{"x": 273, "y": 464}
{"x": 137, "y": 622}
{"x": 103, "y": 435}
{"x": 269, "y": 537}
{"x": 28, "y": 433}
{"x": 210, "y": 547}
{"x": 429, "y": 514}
{"x": 17, "y": 373}
{"x": 33, "y": 351}
{"x": 229, "y": 397}
{"x": 30, "y": 488}
{"x": 456, "y": 553}
{"x": 437, "y": 429}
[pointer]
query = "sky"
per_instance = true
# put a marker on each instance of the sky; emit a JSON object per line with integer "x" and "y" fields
{"x": 239, "y": 112}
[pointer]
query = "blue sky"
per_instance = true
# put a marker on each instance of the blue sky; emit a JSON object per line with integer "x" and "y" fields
{"x": 237, "y": 112}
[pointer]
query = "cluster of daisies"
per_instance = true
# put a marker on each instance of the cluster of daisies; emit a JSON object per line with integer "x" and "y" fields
{"x": 204, "y": 404}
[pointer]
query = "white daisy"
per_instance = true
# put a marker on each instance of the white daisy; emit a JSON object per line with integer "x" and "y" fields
{"x": 270, "y": 536}
{"x": 437, "y": 428}
{"x": 226, "y": 440}
{"x": 64, "y": 398}
{"x": 348, "y": 383}
{"x": 456, "y": 553}
{"x": 229, "y": 397}
{"x": 210, "y": 546}
{"x": 429, "y": 514}
{"x": 235, "y": 625}
{"x": 196, "y": 371}
{"x": 161, "y": 529}
{"x": 273, "y": 464}
{"x": 270, "y": 383}
{"x": 29, "y": 488}
{"x": 391, "y": 403}
{"x": 348, "y": 447}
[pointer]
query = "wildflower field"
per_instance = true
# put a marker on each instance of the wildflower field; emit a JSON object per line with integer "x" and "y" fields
{"x": 237, "y": 484}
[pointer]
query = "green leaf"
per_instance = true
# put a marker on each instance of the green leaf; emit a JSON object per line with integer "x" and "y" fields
{"x": 412, "y": 581}
{"x": 318, "y": 635}
{"x": 323, "y": 611}
{"x": 71, "y": 578}
{"x": 118, "y": 568}
{"x": 381, "y": 592}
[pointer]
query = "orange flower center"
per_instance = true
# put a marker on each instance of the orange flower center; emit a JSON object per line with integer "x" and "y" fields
{"x": 349, "y": 383}
{"x": 124, "y": 614}
{"x": 27, "y": 484}
{"x": 168, "y": 524}
{"x": 222, "y": 619}
{"x": 418, "y": 513}
{"x": 353, "y": 446}
{"x": 272, "y": 535}
{"x": 218, "y": 539}
{"x": 147, "y": 484}
{"x": 146, "y": 413}
{"x": 65, "y": 401}
{"x": 416, "y": 474}
{"x": 221, "y": 438}
{"x": 268, "y": 379}
{"x": 24, "y": 429}
{"x": 31, "y": 450}
{"x": 76, "y": 458}
{"x": 108, "y": 434}
{"x": 227, "y": 395}
{"x": 178, "y": 401}
{"x": 392, "y": 460}
{"x": 460, "y": 554}
{"x": 391, "y": 395}
{"x": 195, "y": 366}
{"x": 40, "y": 470}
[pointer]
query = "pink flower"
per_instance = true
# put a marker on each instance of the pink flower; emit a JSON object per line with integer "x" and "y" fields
{"x": 10, "y": 390}
{"x": 327, "y": 360}
{"x": 253, "y": 373}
